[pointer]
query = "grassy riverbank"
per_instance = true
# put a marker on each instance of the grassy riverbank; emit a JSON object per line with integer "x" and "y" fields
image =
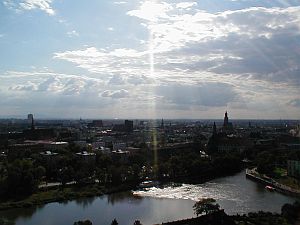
{"x": 61, "y": 195}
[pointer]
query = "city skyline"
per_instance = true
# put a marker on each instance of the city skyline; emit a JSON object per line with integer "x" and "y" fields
{"x": 150, "y": 59}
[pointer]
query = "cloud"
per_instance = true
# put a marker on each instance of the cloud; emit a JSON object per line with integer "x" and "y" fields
{"x": 115, "y": 94}
{"x": 29, "y": 86}
{"x": 120, "y": 3}
{"x": 44, "y": 5}
{"x": 63, "y": 84}
{"x": 116, "y": 61}
{"x": 73, "y": 33}
{"x": 245, "y": 58}
{"x": 117, "y": 80}
{"x": 152, "y": 11}
{"x": 185, "y": 5}
{"x": 294, "y": 103}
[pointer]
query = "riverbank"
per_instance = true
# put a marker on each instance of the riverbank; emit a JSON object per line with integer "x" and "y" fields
{"x": 254, "y": 175}
{"x": 55, "y": 193}
{"x": 62, "y": 195}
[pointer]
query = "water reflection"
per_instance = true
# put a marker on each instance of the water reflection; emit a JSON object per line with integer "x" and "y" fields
{"x": 123, "y": 196}
{"x": 235, "y": 194}
{"x": 84, "y": 202}
{"x": 22, "y": 213}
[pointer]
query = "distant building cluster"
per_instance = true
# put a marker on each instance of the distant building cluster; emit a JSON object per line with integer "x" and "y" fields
{"x": 119, "y": 139}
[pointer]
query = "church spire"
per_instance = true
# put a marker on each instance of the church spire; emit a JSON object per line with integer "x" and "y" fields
{"x": 225, "y": 124}
{"x": 214, "y": 129}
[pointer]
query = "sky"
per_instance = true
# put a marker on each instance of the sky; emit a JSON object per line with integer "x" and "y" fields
{"x": 150, "y": 59}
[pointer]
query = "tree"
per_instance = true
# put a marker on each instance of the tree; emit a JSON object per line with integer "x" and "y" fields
{"x": 114, "y": 222}
{"x": 6, "y": 222}
{"x": 137, "y": 222}
{"x": 23, "y": 177}
{"x": 206, "y": 205}
{"x": 86, "y": 222}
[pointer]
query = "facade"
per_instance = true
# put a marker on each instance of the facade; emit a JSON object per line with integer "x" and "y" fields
{"x": 293, "y": 168}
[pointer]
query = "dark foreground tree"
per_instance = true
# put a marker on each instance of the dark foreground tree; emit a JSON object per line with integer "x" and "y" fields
{"x": 114, "y": 222}
{"x": 6, "y": 222}
{"x": 86, "y": 222}
{"x": 206, "y": 205}
{"x": 137, "y": 222}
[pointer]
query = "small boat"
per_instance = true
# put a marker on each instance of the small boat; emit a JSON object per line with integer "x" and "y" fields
{"x": 148, "y": 183}
{"x": 269, "y": 188}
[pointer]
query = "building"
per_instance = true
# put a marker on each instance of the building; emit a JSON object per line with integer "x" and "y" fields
{"x": 119, "y": 146}
{"x": 120, "y": 155}
{"x": 88, "y": 157}
{"x": 226, "y": 124}
{"x": 50, "y": 158}
{"x": 128, "y": 125}
{"x": 293, "y": 168}
{"x": 30, "y": 120}
{"x": 3, "y": 156}
{"x": 233, "y": 144}
{"x": 56, "y": 145}
{"x": 97, "y": 123}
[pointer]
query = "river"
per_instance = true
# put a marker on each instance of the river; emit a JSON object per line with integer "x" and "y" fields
{"x": 235, "y": 194}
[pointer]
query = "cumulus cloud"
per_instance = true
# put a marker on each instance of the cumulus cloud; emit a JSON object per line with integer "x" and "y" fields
{"x": 51, "y": 82}
{"x": 152, "y": 11}
{"x": 115, "y": 94}
{"x": 185, "y": 5}
{"x": 44, "y": 5}
{"x": 256, "y": 42}
{"x": 244, "y": 51}
{"x": 294, "y": 102}
{"x": 105, "y": 61}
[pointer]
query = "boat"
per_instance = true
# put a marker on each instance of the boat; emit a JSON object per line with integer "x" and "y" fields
{"x": 148, "y": 183}
{"x": 269, "y": 188}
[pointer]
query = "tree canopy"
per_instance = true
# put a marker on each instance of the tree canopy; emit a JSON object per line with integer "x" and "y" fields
{"x": 206, "y": 205}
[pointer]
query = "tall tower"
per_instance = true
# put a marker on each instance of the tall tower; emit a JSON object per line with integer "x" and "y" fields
{"x": 30, "y": 121}
{"x": 162, "y": 125}
{"x": 225, "y": 124}
{"x": 214, "y": 129}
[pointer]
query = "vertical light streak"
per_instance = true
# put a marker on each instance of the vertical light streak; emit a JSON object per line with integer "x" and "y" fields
{"x": 153, "y": 103}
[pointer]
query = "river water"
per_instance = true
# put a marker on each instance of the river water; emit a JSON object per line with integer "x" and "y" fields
{"x": 235, "y": 194}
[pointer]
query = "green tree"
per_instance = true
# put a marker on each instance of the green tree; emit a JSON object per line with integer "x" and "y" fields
{"x": 23, "y": 177}
{"x": 206, "y": 205}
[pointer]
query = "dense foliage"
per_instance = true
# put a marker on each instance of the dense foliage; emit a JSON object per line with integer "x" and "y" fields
{"x": 206, "y": 205}
{"x": 21, "y": 176}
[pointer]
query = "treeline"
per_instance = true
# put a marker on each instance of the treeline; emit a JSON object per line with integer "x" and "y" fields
{"x": 289, "y": 216}
{"x": 20, "y": 177}
{"x": 22, "y": 174}
{"x": 268, "y": 159}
